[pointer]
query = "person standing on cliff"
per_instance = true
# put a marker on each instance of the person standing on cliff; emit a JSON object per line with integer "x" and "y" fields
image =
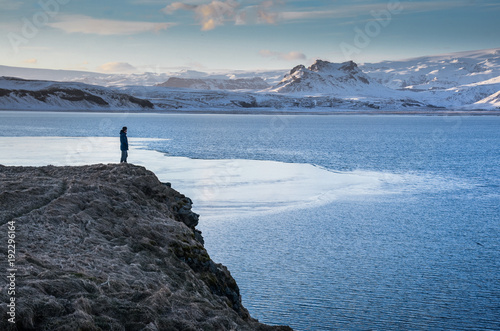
{"x": 124, "y": 144}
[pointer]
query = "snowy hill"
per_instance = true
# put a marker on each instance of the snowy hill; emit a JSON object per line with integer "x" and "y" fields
{"x": 490, "y": 102}
{"x": 344, "y": 79}
{"x": 467, "y": 80}
{"x": 437, "y": 72}
{"x": 47, "y": 74}
{"x": 165, "y": 98}
{"x": 255, "y": 83}
{"x": 18, "y": 93}
{"x": 87, "y": 77}
{"x": 271, "y": 77}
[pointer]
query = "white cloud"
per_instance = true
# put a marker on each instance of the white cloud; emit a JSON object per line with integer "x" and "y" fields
{"x": 117, "y": 67}
{"x": 216, "y": 13}
{"x": 173, "y": 7}
{"x": 209, "y": 15}
{"x": 89, "y": 25}
{"x": 266, "y": 12}
{"x": 424, "y": 6}
{"x": 291, "y": 56}
{"x": 365, "y": 9}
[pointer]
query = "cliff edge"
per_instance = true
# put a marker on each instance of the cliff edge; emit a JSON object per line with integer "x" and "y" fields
{"x": 108, "y": 247}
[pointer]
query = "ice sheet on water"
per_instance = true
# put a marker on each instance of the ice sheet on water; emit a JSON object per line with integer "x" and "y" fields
{"x": 223, "y": 188}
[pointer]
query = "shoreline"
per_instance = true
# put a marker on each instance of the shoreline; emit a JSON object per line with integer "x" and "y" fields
{"x": 273, "y": 112}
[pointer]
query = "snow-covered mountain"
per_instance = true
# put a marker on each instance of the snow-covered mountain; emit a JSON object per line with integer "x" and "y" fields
{"x": 490, "y": 102}
{"x": 458, "y": 81}
{"x": 18, "y": 93}
{"x": 339, "y": 79}
{"x": 464, "y": 80}
{"x": 271, "y": 77}
{"x": 224, "y": 100}
{"x": 255, "y": 83}
{"x": 437, "y": 72}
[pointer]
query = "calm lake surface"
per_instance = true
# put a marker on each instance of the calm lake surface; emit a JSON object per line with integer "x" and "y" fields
{"x": 424, "y": 254}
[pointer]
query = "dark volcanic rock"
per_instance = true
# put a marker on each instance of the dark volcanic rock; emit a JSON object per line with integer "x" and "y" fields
{"x": 109, "y": 247}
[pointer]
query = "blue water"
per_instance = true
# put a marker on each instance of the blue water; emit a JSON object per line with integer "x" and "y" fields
{"x": 421, "y": 259}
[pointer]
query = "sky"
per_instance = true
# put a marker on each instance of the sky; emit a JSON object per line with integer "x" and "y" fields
{"x": 128, "y": 36}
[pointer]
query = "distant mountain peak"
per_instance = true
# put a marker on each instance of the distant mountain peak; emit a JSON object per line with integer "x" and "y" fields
{"x": 349, "y": 66}
{"x": 322, "y": 66}
{"x": 297, "y": 68}
{"x": 324, "y": 77}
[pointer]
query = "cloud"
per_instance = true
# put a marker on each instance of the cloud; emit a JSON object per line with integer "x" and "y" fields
{"x": 265, "y": 12}
{"x": 117, "y": 67}
{"x": 291, "y": 56}
{"x": 10, "y": 4}
{"x": 358, "y": 10}
{"x": 173, "y": 7}
{"x": 89, "y": 25}
{"x": 209, "y": 15}
{"x": 31, "y": 61}
{"x": 216, "y": 13}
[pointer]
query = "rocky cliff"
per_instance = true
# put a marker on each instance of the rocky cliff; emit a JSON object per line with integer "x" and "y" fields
{"x": 109, "y": 247}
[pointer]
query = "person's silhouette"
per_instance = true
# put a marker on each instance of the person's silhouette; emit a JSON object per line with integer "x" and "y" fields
{"x": 124, "y": 144}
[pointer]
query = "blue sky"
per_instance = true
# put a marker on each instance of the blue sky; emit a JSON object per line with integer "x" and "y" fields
{"x": 153, "y": 35}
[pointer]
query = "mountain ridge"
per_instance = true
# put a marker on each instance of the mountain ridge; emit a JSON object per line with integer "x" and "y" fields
{"x": 455, "y": 81}
{"x": 327, "y": 77}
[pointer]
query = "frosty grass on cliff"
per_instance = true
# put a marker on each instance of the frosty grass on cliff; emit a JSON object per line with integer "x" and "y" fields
{"x": 221, "y": 188}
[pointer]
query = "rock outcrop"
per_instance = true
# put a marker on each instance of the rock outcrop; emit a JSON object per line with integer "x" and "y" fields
{"x": 109, "y": 247}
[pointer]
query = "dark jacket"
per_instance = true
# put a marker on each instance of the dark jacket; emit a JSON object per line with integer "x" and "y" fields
{"x": 123, "y": 141}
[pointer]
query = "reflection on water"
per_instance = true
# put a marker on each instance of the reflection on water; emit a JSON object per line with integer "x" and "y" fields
{"x": 366, "y": 264}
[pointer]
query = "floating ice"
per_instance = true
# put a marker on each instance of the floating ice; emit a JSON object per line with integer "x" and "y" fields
{"x": 220, "y": 188}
